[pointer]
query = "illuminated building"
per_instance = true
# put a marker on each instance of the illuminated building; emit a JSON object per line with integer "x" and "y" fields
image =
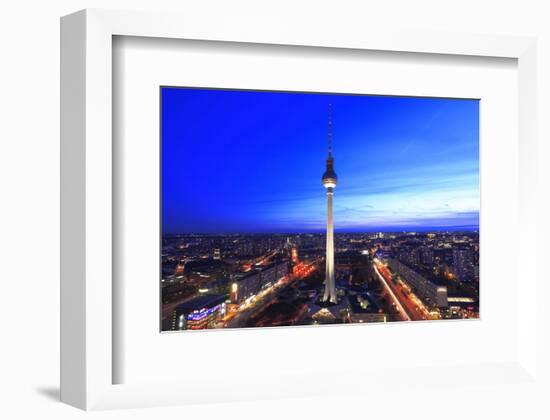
{"x": 364, "y": 309}
{"x": 408, "y": 255}
{"x": 430, "y": 293}
{"x": 217, "y": 255}
{"x": 233, "y": 296}
{"x": 199, "y": 313}
{"x": 248, "y": 285}
{"x": 294, "y": 255}
{"x": 270, "y": 274}
{"x": 463, "y": 302}
{"x": 463, "y": 264}
{"x": 329, "y": 182}
{"x": 427, "y": 256}
{"x": 324, "y": 316}
{"x": 245, "y": 287}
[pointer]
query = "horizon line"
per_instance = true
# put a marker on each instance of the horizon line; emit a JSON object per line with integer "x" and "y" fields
{"x": 439, "y": 230}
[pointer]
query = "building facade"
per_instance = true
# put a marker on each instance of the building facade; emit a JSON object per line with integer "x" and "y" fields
{"x": 199, "y": 313}
{"x": 463, "y": 264}
{"x": 253, "y": 282}
{"x": 430, "y": 293}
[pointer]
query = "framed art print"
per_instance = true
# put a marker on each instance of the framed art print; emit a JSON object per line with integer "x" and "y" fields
{"x": 254, "y": 215}
{"x": 211, "y": 154}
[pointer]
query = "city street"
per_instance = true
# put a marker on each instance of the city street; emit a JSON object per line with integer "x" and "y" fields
{"x": 409, "y": 307}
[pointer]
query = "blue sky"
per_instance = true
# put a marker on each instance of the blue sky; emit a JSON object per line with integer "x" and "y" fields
{"x": 246, "y": 161}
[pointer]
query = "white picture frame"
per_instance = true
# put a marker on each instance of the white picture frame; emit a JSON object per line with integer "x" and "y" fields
{"x": 86, "y": 204}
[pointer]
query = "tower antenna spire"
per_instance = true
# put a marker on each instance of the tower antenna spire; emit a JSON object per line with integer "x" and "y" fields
{"x": 330, "y": 130}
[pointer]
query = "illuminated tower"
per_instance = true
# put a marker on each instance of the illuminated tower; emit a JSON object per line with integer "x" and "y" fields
{"x": 329, "y": 182}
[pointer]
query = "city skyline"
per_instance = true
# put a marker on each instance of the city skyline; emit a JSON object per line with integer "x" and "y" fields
{"x": 273, "y": 280}
{"x": 248, "y": 161}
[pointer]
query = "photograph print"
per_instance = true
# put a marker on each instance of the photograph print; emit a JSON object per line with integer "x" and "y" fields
{"x": 306, "y": 208}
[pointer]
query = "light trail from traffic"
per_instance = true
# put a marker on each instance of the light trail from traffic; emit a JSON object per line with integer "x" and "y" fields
{"x": 416, "y": 309}
{"x": 392, "y": 294}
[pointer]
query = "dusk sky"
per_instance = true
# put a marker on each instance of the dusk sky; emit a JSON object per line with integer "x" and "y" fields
{"x": 243, "y": 161}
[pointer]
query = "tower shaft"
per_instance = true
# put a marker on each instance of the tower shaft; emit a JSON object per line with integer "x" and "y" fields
{"x": 330, "y": 284}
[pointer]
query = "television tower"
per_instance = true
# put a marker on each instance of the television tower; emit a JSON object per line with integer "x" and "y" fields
{"x": 329, "y": 182}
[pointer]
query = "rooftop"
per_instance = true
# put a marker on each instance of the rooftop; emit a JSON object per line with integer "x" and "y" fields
{"x": 363, "y": 304}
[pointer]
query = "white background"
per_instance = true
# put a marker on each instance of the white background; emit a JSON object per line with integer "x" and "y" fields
{"x": 29, "y": 173}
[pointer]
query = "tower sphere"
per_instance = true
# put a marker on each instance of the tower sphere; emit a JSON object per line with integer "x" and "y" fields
{"x": 329, "y": 177}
